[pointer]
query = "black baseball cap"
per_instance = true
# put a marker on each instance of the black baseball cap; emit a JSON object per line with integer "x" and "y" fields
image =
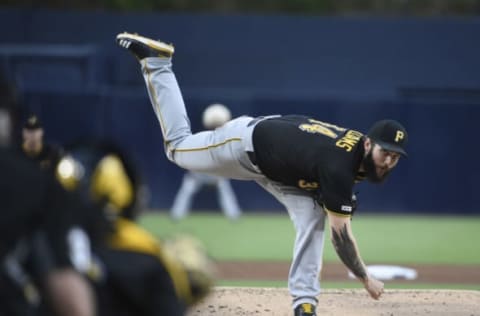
{"x": 32, "y": 123}
{"x": 390, "y": 135}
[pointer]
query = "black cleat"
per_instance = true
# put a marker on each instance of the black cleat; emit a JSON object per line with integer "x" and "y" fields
{"x": 305, "y": 309}
{"x": 143, "y": 47}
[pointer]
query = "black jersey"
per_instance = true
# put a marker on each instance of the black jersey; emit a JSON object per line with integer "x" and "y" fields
{"x": 311, "y": 155}
{"x": 48, "y": 157}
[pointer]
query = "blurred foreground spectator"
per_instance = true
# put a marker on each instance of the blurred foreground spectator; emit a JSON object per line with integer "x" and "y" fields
{"x": 38, "y": 214}
{"x": 135, "y": 274}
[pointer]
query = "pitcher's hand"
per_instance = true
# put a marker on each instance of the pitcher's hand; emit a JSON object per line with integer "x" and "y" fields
{"x": 374, "y": 287}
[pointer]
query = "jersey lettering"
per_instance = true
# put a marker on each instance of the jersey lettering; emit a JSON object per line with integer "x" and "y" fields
{"x": 302, "y": 184}
{"x": 349, "y": 141}
{"x": 332, "y": 126}
{"x": 317, "y": 129}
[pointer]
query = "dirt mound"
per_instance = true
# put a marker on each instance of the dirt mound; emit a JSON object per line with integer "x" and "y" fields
{"x": 230, "y": 301}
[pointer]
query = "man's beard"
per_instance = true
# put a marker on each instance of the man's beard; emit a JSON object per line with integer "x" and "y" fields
{"x": 371, "y": 170}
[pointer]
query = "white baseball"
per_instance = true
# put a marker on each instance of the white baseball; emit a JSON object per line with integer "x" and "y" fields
{"x": 215, "y": 115}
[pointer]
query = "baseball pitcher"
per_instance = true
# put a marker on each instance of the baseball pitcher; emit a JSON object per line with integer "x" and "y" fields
{"x": 310, "y": 166}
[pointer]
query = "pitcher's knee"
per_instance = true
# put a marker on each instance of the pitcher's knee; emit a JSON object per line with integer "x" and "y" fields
{"x": 179, "y": 159}
{"x": 171, "y": 146}
{"x": 169, "y": 152}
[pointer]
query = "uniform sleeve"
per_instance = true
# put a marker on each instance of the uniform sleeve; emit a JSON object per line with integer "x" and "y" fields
{"x": 336, "y": 192}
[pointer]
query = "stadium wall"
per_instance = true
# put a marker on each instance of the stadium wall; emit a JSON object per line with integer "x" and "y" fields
{"x": 349, "y": 71}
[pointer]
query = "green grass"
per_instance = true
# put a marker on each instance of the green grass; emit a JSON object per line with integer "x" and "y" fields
{"x": 381, "y": 239}
{"x": 249, "y": 238}
{"x": 353, "y": 285}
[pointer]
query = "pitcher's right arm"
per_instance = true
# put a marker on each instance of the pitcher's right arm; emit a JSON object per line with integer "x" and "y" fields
{"x": 347, "y": 250}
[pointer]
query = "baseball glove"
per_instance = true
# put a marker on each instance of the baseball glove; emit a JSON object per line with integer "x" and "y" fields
{"x": 192, "y": 256}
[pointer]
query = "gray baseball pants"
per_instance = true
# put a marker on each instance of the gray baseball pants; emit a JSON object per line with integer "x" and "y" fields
{"x": 223, "y": 152}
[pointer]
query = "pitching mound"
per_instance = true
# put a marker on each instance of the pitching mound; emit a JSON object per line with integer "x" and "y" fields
{"x": 229, "y": 301}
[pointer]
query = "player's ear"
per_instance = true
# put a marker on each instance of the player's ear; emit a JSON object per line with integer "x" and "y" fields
{"x": 367, "y": 144}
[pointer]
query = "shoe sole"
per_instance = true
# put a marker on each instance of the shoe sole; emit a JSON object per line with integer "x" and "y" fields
{"x": 157, "y": 45}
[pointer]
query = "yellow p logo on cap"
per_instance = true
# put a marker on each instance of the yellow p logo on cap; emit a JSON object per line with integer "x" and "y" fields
{"x": 399, "y": 136}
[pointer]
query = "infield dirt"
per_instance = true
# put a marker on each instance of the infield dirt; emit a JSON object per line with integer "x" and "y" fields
{"x": 231, "y": 301}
